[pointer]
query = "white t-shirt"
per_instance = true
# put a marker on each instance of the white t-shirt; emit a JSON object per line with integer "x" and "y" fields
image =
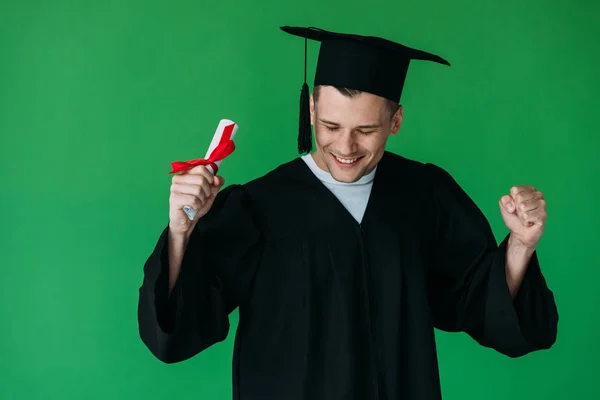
{"x": 354, "y": 196}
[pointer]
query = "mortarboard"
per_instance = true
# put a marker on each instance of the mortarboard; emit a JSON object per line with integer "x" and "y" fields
{"x": 366, "y": 63}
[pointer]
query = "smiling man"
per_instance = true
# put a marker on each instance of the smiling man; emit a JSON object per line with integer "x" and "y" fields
{"x": 343, "y": 262}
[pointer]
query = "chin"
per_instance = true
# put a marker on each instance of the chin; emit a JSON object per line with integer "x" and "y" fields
{"x": 346, "y": 179}
{"x": 346, "y": 176}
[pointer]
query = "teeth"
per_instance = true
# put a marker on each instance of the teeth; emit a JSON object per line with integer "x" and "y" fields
{"x": 345, "y": 161}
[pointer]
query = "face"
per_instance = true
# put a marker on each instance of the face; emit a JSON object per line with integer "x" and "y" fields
{"x": 351, "y": 133}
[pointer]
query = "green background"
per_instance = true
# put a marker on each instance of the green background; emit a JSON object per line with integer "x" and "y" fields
{"x": 96, "y": 98}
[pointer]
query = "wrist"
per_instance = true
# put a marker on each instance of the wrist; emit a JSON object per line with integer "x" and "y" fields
{"x": 178, "y": 237}
{"x": 517, "y": 247}
{"x": 517, "y": 250}
{"x": 518, "y": 256}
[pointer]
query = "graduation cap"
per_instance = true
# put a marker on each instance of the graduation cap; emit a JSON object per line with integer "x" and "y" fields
{"x": 366, "y": 63}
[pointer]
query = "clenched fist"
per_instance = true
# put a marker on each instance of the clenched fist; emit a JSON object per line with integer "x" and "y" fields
{"x": 524, "y": 214}
{"x": 197, "y": 188}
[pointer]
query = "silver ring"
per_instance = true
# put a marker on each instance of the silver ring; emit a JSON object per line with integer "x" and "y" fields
{"x": 190, "y": 212}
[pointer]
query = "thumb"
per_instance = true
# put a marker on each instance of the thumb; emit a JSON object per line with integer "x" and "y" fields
{"x": 507, "y": 204}
{"x": 218, "y": 182}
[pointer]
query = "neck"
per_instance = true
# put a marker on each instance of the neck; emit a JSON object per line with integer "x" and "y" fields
{"x": 319, "y": 161}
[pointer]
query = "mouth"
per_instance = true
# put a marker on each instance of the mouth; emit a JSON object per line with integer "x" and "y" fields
{"x": 346, "y": 162}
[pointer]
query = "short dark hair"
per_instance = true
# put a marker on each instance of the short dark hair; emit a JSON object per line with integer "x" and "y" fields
{"x": 391, "y": 106}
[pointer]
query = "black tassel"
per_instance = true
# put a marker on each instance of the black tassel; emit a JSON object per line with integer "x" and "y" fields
{"x": 304, "y": 133}
{"x": 304, "y": 128}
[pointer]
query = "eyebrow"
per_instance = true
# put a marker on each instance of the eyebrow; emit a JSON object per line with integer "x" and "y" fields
{"x": 370, "y": 126}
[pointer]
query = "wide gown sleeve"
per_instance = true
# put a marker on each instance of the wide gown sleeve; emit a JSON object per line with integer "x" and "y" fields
{"x": 467, "y": 282}
{"x": 216, "y": 270}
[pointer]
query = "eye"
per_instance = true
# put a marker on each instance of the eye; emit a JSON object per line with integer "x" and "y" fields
{"x": 331, "y": 128}
{"x": 365, "y": 132}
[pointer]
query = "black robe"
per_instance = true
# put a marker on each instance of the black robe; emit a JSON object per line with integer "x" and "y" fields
{"x": 333, "y": 309}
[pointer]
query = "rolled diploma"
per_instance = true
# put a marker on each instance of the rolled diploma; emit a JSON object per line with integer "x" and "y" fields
{"x": 191, "y": 213}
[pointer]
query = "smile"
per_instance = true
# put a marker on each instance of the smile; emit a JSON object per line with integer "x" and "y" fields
{"x": 346, "y": 161}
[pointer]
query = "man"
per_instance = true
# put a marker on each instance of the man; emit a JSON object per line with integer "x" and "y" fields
{"x": 343, "y": 261}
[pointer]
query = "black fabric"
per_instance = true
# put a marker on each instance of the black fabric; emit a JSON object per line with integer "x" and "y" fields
{"x": 333, "y": 309}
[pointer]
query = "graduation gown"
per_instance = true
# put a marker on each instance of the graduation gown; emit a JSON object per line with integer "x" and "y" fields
{"x": 330, "y": 308}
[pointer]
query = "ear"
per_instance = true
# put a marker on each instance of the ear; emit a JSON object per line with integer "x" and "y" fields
{"x": 397, "y": 121}
{"x": 312, "y": 110}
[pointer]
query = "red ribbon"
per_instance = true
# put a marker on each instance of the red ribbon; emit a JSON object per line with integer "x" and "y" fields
{"x": 223, "y": 149}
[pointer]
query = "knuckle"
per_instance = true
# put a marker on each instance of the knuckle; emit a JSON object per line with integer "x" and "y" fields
{"x": 179, "y": 198}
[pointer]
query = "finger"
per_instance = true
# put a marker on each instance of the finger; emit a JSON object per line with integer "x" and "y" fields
{"x": 200, "y": 191}
{"x": 531, "y": 204}
{"x": 531, "y": 217}
{"x": 193, "y": 179}
{"x": 515, "y": 191}
{"x": 180, "y": 200}
{"x": 201, "y": 170}
{"x": 522, "y": 188}
{"x": 525, "y": 195}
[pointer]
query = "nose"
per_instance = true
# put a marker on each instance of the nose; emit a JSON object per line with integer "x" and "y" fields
{"x": 346, "y": 143}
